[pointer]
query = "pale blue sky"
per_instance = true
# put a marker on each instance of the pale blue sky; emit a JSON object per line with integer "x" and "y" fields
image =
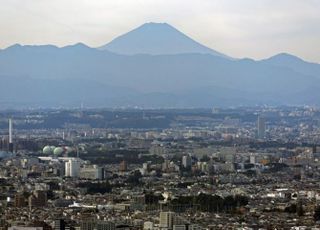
{"x": 240, "y": 28}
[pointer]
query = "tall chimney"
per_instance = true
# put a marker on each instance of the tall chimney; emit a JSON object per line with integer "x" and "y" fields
{"x": 10, "y": 136}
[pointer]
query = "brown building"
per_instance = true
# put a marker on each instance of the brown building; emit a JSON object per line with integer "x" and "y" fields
{"x": 123, "y": 166}
{"x": 20, "y": 200}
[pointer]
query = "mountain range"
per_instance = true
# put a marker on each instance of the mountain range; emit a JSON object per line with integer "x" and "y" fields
{"x": 154, "y": 65}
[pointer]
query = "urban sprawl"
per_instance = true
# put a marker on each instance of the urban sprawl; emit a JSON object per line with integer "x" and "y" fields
{"x": 170, "y": 169}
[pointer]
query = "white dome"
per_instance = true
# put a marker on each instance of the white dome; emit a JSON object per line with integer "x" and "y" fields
{"x": 58, "y": 151}
{"x": 47, "y": 150}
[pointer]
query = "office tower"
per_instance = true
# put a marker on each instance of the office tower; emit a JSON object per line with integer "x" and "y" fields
{"x": 166, "y": 220}
{"x": 72, "y": 168}
{"x": 186, "y": 162}
{"x": 10, "y": 136}
{"x": 261, "y": 128}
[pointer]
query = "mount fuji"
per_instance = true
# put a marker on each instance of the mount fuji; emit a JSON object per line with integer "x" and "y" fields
{"x": 157, "y": 39}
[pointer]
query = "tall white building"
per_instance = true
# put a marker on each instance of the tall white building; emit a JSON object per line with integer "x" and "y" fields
{"x": 10, "y": 136}
{"x": 252, "y": 159}
{"x": 72, "y": 168}
{"x": 186, "y": 161}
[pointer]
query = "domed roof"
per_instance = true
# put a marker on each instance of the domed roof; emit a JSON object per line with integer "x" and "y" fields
{"x": 58, "y": 151}
{"x": 47, "y": 150}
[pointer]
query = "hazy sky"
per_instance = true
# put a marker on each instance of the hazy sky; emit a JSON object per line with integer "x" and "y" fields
{"x": 240, "y": 28}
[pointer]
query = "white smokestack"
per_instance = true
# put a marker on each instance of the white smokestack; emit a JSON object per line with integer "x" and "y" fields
{"x": 10, "y": 130}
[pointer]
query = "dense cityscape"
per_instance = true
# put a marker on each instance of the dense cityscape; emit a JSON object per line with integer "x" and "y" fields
{"x": 159, "y": 115}
{"x": 170, "y": 169}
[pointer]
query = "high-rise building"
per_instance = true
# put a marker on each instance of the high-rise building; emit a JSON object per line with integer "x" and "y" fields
{"x": 72, "y": 168}
{"x": 166, "y": 220}
{"x": 10, "y": 136}
{"x": 186, "y": 162}
{"x": 261, "y": 127}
